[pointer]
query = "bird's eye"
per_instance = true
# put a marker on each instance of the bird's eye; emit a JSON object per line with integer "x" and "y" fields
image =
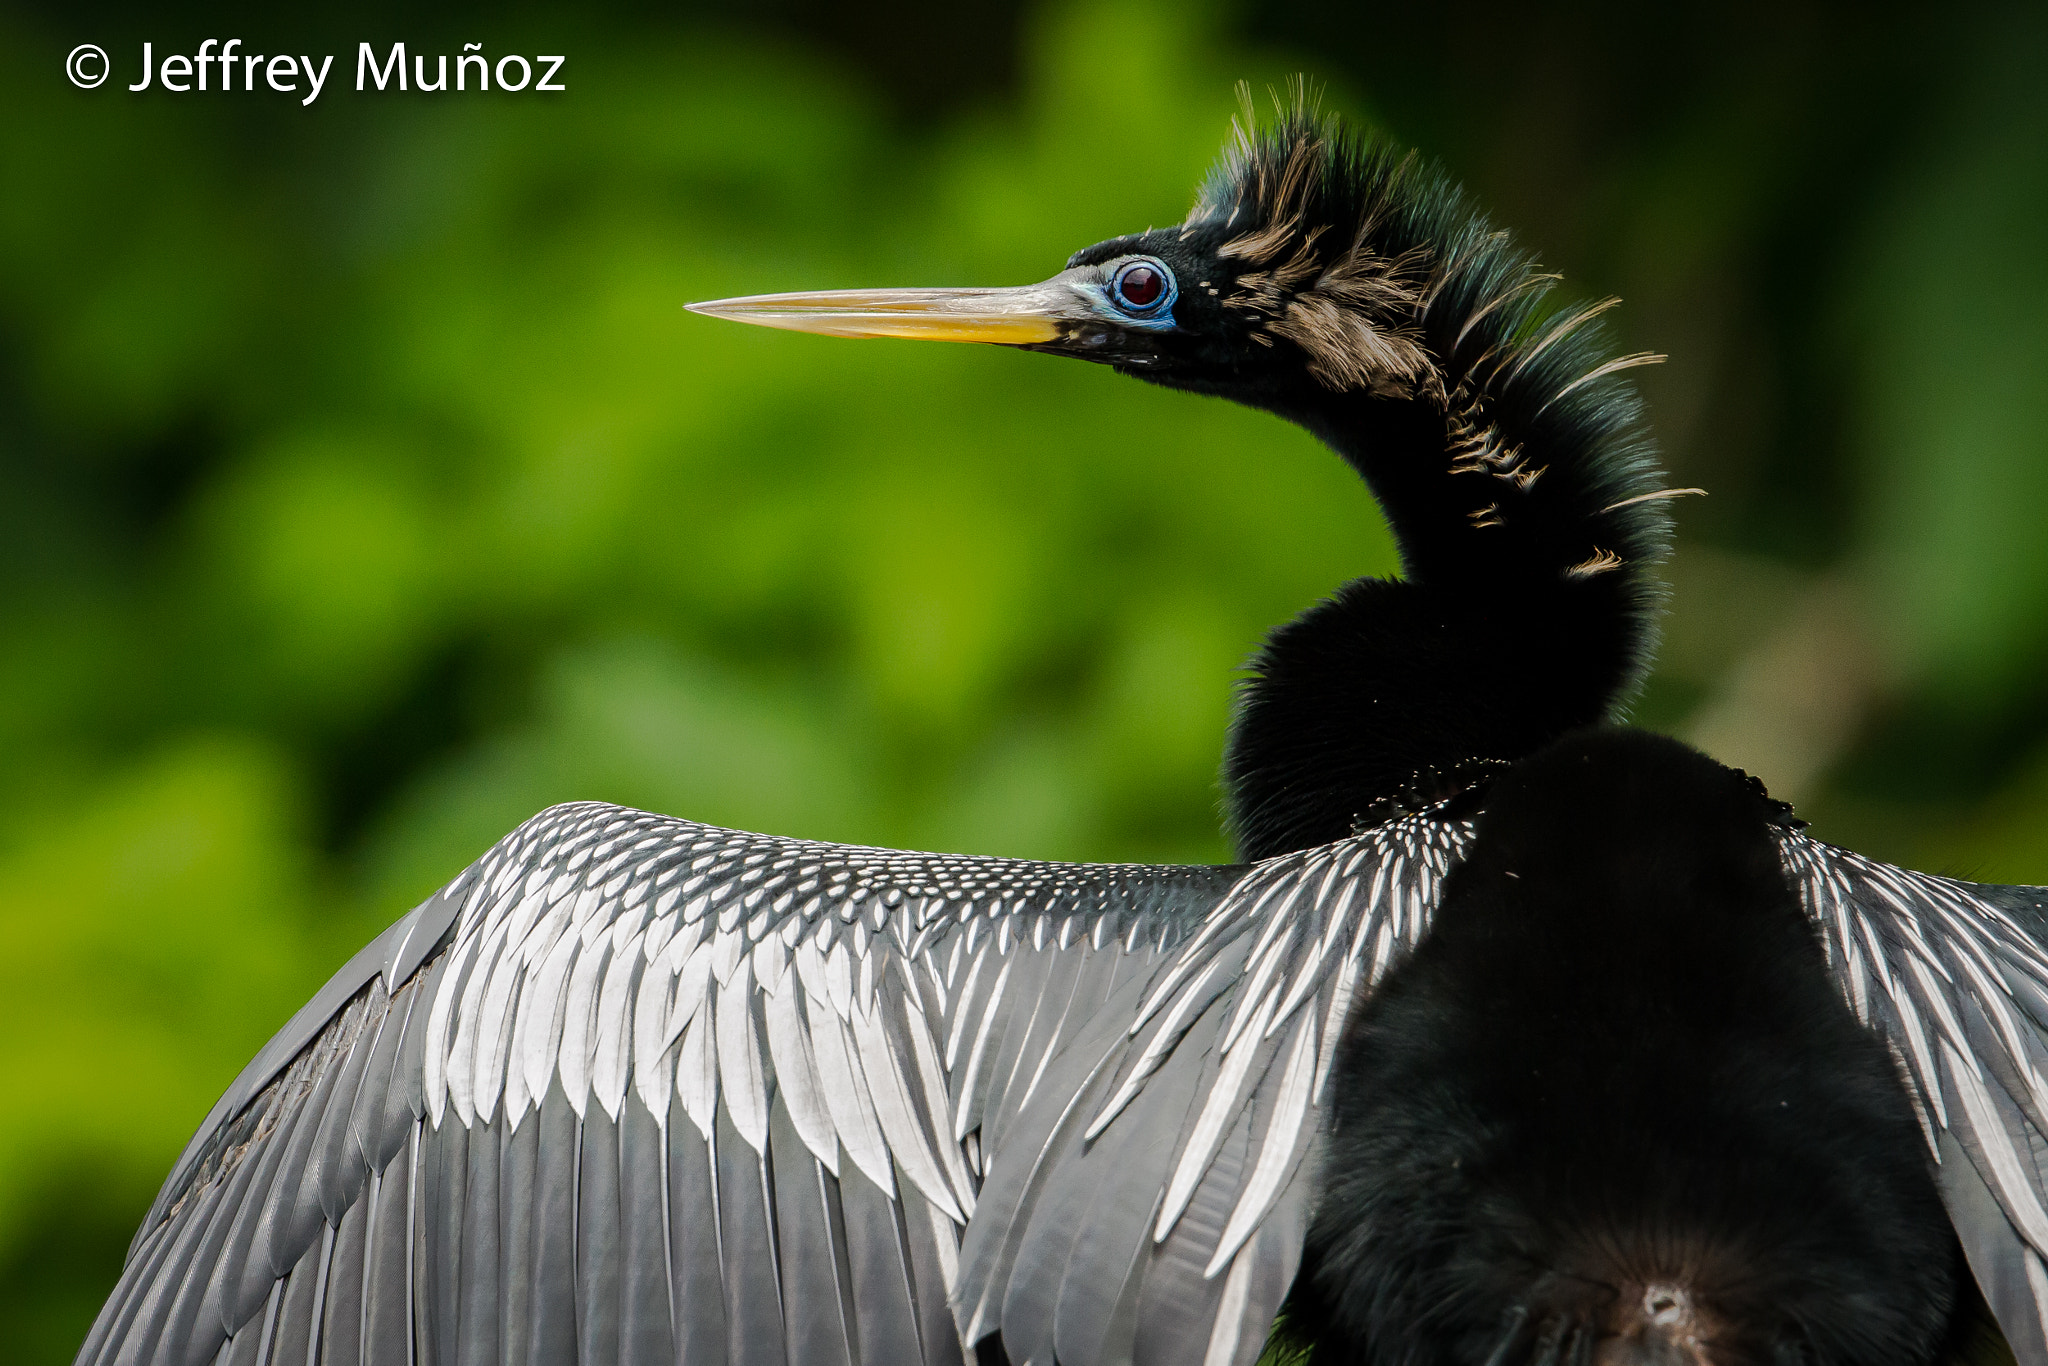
{"x": 1142, "y": 287}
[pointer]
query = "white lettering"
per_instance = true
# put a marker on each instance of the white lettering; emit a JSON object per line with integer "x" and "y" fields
{"x": 284, "y": 72}
{"x": 317, "y": 80}
{"x": 366, "y": 61}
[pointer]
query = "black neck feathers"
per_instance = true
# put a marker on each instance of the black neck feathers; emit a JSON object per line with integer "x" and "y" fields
{"x": 1492, "y": 425}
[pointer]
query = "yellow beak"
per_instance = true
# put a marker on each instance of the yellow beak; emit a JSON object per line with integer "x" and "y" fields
{"x": 1005, "y": 317}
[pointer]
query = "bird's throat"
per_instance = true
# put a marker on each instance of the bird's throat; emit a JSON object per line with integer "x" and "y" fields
{"x": 1387, "y": 688}
{"x": 1498, "y": 639}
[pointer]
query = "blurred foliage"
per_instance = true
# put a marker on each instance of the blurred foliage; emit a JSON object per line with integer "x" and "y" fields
{"x": 366, "y": 488}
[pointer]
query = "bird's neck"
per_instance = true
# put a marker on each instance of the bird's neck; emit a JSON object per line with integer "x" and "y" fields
{"x": 1525, "y": 611}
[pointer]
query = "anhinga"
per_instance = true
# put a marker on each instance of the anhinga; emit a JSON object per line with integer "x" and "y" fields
{"x": 1514, "y": 1039}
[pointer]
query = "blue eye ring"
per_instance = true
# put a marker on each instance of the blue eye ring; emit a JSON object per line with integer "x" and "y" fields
{"x": 1142, "y": 298}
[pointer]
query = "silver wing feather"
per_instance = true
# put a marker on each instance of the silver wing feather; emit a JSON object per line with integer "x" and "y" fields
{"x": 1954, "y": 975}
{"x": 636, "y": 1089}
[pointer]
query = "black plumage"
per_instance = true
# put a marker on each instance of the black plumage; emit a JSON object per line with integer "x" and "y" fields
{"x": 1514, "y": 1039}
{"x": 1614, "y": 1094}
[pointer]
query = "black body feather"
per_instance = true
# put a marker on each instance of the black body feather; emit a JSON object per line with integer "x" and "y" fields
{"x": 1615, "y": 1094}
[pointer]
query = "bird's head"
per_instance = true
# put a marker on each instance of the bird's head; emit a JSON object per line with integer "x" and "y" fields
{"x": 1297, "y": 276}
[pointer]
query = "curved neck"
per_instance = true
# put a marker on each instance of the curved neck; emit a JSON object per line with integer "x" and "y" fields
{"x": 1474, "y": 497}
{"x": 1526, "y": 611}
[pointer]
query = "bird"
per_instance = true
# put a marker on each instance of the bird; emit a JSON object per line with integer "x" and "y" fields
{"x": 1515, "y": 1035}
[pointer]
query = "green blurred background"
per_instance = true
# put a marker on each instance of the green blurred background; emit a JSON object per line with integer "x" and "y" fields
{"x": 364, "y": 487}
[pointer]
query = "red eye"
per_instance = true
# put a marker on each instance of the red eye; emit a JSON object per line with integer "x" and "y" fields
{"x": 1142, "y": 286}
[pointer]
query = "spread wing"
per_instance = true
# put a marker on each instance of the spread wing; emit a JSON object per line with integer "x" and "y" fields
{"x": 635, "y": 1089}
{"x": 1954, "y": 975}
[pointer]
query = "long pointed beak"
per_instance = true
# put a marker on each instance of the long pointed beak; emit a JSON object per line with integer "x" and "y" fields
{"x": 1007, "y": 317}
